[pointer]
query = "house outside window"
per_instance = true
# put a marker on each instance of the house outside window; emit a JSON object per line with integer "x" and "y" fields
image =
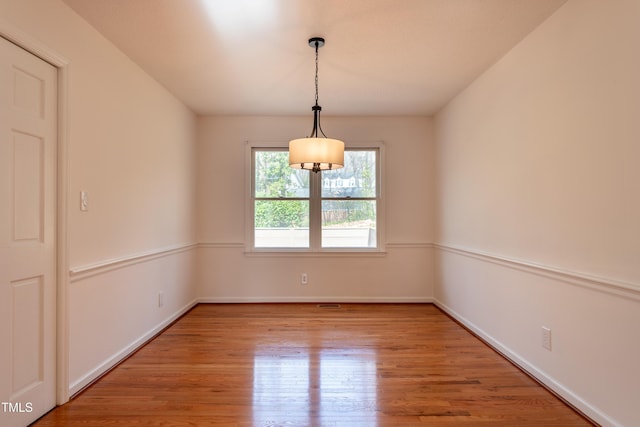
{"x": 298, "y": 210}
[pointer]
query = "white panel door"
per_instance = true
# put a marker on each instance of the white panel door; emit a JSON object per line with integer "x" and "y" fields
{"x": 27, "y": 235}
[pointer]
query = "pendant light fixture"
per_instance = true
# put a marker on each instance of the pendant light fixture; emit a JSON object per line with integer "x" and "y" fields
{"x": 316, "y": 153}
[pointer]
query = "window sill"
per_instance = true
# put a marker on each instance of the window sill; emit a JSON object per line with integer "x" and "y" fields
{"x": 306, "y": 253}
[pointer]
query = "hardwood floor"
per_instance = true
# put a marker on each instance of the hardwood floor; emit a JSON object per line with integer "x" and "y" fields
{"x": 302, "y": 365}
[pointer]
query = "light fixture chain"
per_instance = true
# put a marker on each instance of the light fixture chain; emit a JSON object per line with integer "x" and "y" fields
{"x": 317, "y": 72}
{"x": 316, "y": 153}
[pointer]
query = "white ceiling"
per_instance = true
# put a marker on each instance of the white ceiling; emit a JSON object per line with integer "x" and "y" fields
{"x": 382, "y": 57}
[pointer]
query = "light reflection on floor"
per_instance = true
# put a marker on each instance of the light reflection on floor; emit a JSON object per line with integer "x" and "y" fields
{"x": 294, "y": 386}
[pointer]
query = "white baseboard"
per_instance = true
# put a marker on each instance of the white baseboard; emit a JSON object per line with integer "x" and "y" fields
{"x": 334, "y": 299}
{"x": 112, "y": 361}
{"x": 568, "y": 395}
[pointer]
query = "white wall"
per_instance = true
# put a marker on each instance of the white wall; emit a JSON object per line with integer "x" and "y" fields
{"x": 538, "y": 207}
{"x": 536, "y": 196}
{"x": 131, "y": 146}
{"x": 226, "y": 273}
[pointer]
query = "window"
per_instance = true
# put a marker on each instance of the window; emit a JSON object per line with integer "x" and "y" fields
{"x": 281, "y": 201}
{"x": 293, "y": 209}
{"x": 348, "y": 212}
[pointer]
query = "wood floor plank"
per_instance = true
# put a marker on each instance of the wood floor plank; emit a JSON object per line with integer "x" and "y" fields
{"x": 301, "y": 365}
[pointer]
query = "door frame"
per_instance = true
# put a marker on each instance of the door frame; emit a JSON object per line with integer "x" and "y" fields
{"x": 35, "y": 47}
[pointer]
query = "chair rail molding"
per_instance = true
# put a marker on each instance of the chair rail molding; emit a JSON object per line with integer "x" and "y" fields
{"x": 89, "y": 270}
{"x": 607, "y": 285}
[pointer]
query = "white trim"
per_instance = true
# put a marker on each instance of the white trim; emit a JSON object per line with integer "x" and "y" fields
{"x": 289, "y": 253}
{"x": 112, "y": 361}
{"x": 315, "y": 300}
{"x": 28, "y": 43}
{"x": 611, "y": 286}
{"x": 248, "y": 190}
{"x": 590, "y": 411}
{"x": 85, "y": 271}
{"x": 389, "y": 245}
{"x": 410, "y": 245}
{"x": 222, "y": 245}
{"x": 62, "y": 353}
{"x": 285, "y": 253}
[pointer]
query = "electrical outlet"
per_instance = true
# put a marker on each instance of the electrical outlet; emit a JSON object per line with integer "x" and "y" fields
{"x": 546, "y": 338}
{"x": 304, "y": 279}
{"x": 160, "y": 299}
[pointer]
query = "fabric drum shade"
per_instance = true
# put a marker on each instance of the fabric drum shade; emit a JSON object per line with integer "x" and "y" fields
{"x": 304, "y": 152}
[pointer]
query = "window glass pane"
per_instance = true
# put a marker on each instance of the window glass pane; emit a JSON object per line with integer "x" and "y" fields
{"x": 281, "y": 224}
{"x": 349, "y": 223}
{"x": 356, "y": 179}
{"x": 274, "y": 177}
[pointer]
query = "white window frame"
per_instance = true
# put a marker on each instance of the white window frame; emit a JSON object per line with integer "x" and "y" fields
{"x": 315, "y": 204}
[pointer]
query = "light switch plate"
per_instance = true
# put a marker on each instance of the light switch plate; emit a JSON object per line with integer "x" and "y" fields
{"x": 84, "y": 201}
